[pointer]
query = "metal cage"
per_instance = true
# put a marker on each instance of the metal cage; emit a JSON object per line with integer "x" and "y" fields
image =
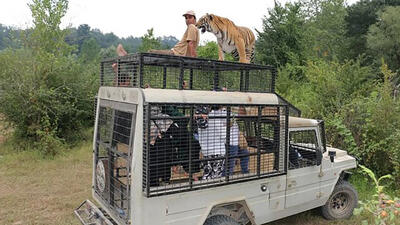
{"x": 185, "y": 146}
{"x": 177, "y": 72}
{"x": 114, "y": 140}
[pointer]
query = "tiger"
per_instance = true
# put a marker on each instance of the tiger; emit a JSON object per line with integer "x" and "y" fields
{"x": 239, "y": 41}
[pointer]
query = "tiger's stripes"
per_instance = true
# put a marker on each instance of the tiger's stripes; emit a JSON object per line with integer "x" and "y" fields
{"x": 239, "y": 41}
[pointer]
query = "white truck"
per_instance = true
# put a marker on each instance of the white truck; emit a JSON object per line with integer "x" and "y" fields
{"x": 177, "y": 156}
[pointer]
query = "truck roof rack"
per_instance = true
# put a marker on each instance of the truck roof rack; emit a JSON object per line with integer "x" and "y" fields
{"x": 143, "y": 70}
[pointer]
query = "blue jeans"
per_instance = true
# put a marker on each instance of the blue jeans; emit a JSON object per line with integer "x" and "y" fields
{"x": 234, "y": 150}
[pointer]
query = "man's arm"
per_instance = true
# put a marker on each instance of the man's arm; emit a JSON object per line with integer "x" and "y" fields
{"x": 191, "y": 49}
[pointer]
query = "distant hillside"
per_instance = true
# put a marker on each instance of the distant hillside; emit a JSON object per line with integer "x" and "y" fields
{"x": 9, "y": 38}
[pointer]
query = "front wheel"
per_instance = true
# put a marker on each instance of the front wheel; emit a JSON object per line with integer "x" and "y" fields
{"x": 220, "y": 220}
{"x": 341, "y": 203}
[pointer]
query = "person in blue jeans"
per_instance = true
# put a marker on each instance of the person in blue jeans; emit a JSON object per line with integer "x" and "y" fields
{"x": 235, "y": 150}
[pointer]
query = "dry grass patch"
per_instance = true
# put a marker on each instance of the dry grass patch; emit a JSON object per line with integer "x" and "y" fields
{"x": 38, "y": 191}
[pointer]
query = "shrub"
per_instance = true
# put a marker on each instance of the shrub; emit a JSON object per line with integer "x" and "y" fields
{"x": 374, "y": 122}
{"x": 385, "y": 209}
{"x": 46, "y": 93}
{"x": 362, "y": 114}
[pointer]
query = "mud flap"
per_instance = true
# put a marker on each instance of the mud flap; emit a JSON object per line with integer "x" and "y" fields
{"x": 89, "y": 214}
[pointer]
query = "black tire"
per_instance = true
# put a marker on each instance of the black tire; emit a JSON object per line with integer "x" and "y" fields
{"x": 341, "y": 203}
{"x": 220, "y": 220}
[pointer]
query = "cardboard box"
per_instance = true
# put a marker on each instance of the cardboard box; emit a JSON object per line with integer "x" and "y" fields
{"x": 266, "y": 111}
{"x": 266, "y": 161}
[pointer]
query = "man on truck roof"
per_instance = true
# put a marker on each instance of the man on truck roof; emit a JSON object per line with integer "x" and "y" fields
{"x": 186, "y": 46}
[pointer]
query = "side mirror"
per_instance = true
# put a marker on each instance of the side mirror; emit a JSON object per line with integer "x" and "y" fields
{"x": 319, "y": 157}
{"x": 332, "y": 155}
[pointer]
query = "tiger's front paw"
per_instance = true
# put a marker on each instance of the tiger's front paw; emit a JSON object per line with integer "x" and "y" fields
{"x": 243, "y": 60}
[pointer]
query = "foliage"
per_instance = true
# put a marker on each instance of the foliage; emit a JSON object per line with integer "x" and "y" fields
{"x": 328, "y": 85}
{"x": 210, "y": 51}
{"x": 149, "y": 42}
{"x": 362, "y": 114}
{"x": 326, "y": 28}
{"x": 374, "y": 122}
{"x": 318, "y": 75}
{"x": 383, "y": 37}
{"x": 302, "y": 31}
{"x": 47, "y": 94}
{"x": 77, "y": 37}
{"x": 385, "y": 210}
{"x": 360, "y": 16}
{"x": 282, "y": 39}
{"x": 9, "y": 37}
{"x": 47, "y": 38}
{"x": 90, "y": 51}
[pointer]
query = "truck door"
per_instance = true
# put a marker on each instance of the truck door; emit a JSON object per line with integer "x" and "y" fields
{"x": 303, "y": 181}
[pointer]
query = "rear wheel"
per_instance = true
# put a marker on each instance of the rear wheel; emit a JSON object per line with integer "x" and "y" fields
{"x": 341, "y": 203}
{"x": 221, "y": 220}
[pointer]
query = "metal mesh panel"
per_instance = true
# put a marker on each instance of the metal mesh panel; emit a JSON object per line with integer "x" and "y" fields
{"x": 293, "y": 110}
{"x": 176, "y": 72}
{"x": 122, "y": 72}
{"x": 257, "y": 77}
{"x": 113, "y": 158}
{"x": 201, "y": 79}
{"x": 303, "y": 147}
{"x": 191, "y": 146}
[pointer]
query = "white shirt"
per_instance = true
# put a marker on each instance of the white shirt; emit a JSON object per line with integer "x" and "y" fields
{"x": 212, "y": 139}
{"x": 234, "y": 138}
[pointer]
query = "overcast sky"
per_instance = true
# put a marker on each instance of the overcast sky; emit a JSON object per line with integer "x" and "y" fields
{"x": 134, "y": 17}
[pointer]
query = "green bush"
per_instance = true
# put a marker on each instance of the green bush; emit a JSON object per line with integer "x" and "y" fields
{"x": 47, "y": 95}
{"x": 361, "y": 113}
{"x": 375, "y": 124}
{"x": 382, "y": 207}
{"x": 47, "y": 100}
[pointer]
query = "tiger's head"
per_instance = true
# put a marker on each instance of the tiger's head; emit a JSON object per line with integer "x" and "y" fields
{"x": 204, "y": 23}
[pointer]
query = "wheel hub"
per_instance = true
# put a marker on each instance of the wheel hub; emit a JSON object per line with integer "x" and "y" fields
{"x": 340, "y": 202}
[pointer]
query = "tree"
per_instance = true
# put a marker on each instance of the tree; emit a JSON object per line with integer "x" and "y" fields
{"x": 359, "y": 18}
{"x": 47, "y": 35}
{"x": 149, "y": 42}
{"x": 208, "y": 51}
{"x": 326, "y": 29}
{"x": 83, "y": 34}
{"x": 47, "y": 94}
{"x": 90, "y": 51}
{"x": 282, "y": 39}
{"x": 383, "y": 38}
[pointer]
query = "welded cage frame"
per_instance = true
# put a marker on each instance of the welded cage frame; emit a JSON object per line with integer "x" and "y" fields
{"x": 142, "y": 70}
{"x": 114, "y": 140}
{"x": 263, "y": 168}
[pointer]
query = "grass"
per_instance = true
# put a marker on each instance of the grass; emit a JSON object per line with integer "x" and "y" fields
{"x": 34, "y": 190}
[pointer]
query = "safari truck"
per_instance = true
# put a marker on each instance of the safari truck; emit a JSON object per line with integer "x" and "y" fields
{"x": 185, "y": 141}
